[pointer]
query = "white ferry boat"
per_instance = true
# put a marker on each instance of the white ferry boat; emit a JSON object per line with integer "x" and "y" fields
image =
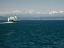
{"x": 12, "y": 19}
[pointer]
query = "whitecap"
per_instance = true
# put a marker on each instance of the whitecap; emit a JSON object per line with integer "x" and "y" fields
{"x": 7, "y": 22}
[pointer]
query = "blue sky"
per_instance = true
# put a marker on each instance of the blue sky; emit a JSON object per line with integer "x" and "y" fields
{"x": 31, "y": 6}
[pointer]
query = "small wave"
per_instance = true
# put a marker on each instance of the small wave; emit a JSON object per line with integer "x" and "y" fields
{"x": 10, "y": 33}
{"x": 6, "y": 22}
{"x": 61, "y": 44}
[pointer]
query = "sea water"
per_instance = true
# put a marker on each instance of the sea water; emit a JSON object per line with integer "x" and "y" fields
{"x": 32, "y": 34}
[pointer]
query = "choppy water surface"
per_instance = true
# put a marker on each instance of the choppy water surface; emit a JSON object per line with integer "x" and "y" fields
{"x": 32, "y": 34}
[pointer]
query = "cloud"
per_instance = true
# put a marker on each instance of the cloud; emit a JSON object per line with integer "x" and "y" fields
{"x": 53, "y": 12}
{"x": 16, "y": 11}
{"x": 61, "y": 11}
{"x": 33, "y": 12}
{"x": 6, "y": 12}
{"x": 39, "y": 13}
{"x": 30, "y": 11}
{"x": 1, "y": 12}
{"x": 11, "y": 12}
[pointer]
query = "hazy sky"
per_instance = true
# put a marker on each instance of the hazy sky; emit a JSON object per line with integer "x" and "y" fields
{"x": 43, "y": 6}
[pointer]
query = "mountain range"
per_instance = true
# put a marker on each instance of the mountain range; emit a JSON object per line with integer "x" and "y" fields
{"x": 35, "y": 16}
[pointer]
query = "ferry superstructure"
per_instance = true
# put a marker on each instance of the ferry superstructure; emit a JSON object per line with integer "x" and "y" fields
{"x": 12, "y": 19}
